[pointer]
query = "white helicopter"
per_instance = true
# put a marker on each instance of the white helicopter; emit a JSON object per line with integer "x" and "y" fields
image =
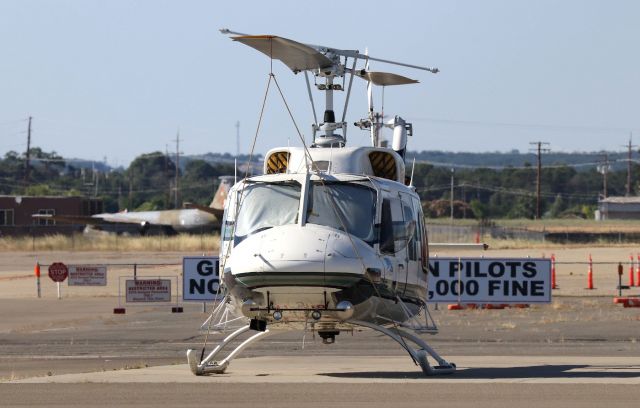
{"x": 330, "y": 237}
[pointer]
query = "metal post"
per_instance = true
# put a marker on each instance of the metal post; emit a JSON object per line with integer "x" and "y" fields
{"x": 59, "y": 294}
{"x": 135, "y": 271}
{"x": 37, "y": 272}
{"x": 620, "y": 272}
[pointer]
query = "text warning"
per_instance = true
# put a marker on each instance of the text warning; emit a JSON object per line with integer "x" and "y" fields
{"x": 201, "y": 278}
{"x": 487, "y": 280}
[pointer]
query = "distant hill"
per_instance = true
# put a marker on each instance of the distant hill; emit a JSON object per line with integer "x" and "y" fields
{"x": 579, "y": 160}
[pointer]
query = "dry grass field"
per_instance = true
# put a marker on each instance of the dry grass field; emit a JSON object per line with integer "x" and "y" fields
{"x": 105, "y": 242}
{"x": 551, "y": 224}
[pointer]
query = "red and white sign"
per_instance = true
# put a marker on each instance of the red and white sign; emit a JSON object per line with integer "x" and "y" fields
{"x": 148, "y": 290}
{"x": 87, "y": 275}
{"x": 58, "y": 272}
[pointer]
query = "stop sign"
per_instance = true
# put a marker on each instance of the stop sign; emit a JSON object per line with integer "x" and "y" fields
{"x": 58, "y": 272}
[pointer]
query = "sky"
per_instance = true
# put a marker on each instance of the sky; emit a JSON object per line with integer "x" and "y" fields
{"x": 115, "y": 79}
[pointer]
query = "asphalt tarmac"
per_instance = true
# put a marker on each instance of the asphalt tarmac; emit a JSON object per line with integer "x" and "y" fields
{"x": 581, "y": 350}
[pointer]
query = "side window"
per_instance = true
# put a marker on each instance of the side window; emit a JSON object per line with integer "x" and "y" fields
{"x": 397, "y": 217}
{"x": 412, "y": 251}
{"x": 386, "y": 229}
{"x": 421, "y": 235}
{"x": 44, "y": 221}
{"x": 226, "y": 227}
{"x": 6, "y": 217}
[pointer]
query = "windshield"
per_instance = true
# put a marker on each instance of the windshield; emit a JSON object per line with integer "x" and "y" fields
{"x": 266, "y": 205}
{"x": 342, "y": 205}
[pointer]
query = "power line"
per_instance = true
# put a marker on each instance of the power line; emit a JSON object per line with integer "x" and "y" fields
{"x": 538, "y": 126}
{"x": 546, "y": 166}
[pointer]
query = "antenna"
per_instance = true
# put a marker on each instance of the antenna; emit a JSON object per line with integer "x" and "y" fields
{"x": 237, "y": 139}
{"x": 413, "y": 168}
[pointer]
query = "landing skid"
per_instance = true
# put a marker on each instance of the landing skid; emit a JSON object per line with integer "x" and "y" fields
{"x": 418, "y": 355}
{"x": 211, "y": 366}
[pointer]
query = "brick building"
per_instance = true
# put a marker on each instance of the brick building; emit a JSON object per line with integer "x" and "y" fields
{"x": 618, "y": 208}
{"x": 16, "y": 214}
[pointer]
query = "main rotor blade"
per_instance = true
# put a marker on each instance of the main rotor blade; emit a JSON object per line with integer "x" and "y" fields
{"x": 297, "y": 56}
{"x": 385, "y": 78}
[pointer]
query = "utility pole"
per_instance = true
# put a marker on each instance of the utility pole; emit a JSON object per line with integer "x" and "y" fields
{"x": 237, "y": 139}
{"x": 629, "y": 146}
{"x": 175, "y": 199}
{"x": 451, "y": 198}
{"x": 28, "y": 154}
{"x": 119, "y": 196}
{"x": 167, "y": 199}
{"x": 539, "y": 152}
{"x": 95, "y": 179}
{"x": 130, "y": 200}
{"x": 603, "y": 168}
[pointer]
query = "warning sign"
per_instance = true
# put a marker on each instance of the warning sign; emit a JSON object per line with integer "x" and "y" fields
{"x": 201, "y": 278}
{"x": 148, "y": 290}
{"x": 87, "y": 275}
{"x": 488, "y": 280}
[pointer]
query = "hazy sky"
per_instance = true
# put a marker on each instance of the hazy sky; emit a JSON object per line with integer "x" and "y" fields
{"x": 116, "y": 79}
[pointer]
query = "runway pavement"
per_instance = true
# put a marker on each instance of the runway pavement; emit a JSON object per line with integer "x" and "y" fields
{"x": 381, "y": 369}
{"x": 324, "y": 381}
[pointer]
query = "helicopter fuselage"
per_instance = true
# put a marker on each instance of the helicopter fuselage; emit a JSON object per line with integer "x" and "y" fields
{"x": 322, "y": 246}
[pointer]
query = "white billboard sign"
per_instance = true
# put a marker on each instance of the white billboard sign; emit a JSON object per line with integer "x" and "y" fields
{"x": 87, "y": 275}
{"x": 489, "y": 280}
{"x": 201, "y": 278}
{"x": 148, "y": 290}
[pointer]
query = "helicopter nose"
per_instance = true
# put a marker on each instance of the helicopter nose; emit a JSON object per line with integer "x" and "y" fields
{"x": 294, "y": 248}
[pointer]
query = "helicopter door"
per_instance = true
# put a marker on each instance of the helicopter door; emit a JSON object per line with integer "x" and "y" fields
{"x": 410, "y": 236}
{"x": 392, "y": 242}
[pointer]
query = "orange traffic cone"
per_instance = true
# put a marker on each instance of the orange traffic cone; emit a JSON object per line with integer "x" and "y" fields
{"x": 590, "y": 274}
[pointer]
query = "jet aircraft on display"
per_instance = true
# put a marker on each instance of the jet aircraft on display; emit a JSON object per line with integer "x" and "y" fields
{"x": 192, "y": 219}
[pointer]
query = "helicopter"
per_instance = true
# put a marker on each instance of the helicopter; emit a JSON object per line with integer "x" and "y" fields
{"x": 331, "y": 236}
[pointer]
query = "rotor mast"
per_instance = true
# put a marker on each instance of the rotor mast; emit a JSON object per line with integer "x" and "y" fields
{"x": 330, "y": 63}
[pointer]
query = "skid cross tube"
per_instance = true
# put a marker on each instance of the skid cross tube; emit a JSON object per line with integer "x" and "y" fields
{"x": 418, "y": 355}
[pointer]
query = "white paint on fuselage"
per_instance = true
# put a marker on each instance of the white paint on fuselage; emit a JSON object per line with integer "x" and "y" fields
{"x": 302, "y": 249}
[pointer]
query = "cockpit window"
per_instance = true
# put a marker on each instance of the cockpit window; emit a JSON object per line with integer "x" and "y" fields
{"x": 266, "y": 205}
{"x": 343, "y": 206}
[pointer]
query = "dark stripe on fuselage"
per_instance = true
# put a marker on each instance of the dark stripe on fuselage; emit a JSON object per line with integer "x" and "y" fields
{"x": 353, "y": 287}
